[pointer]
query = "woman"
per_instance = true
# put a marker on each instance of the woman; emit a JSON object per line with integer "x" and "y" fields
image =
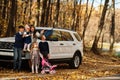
{"x": 33, "y": 33}
{"x": 33, "y": 39}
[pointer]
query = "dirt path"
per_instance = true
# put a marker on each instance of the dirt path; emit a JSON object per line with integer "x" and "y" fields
{"x": 92, "y": 66}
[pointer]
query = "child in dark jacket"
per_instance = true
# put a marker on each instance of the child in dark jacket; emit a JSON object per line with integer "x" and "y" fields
{"x": 44, "y": 47}
{"x": 18, "y": 47}
{"x": 44, "y": 50}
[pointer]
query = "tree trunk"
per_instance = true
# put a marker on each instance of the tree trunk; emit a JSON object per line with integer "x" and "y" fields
{"x": 11, "y": 28}
{"x": 87, "y": 18}
{"x": 38, "y": 14}
{"x": 42, "y": 23}
{"x": 15, "y": 14}
{"x": 51, "y": 22}
{"x": 1, "y": 3}
{"x": 85, "y": 24}
{"x": 4, "y": 9}
{"x": 57, "y": 13}
{"x": 73, "y": 16}
{"x": 100, "y": 28}
{"x": 30, "y": 13}
{"x": 25, "y": 9}
{"x": 102, "y": 42}
{"x": 86, "y": 21}
{"x": 47, "y": 13}
{"x": 80, "y": 17}
{"x": 112, "y": 30}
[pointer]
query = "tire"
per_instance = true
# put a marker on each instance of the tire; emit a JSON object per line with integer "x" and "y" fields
{"x": 76, "y": 61}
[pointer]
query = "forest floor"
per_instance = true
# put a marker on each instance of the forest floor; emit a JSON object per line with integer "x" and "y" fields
{"x": 92, "y": 66}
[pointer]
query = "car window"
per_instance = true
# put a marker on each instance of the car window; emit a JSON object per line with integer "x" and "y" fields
{"x": 66, "y": 36}
{"x": 55, "y": 36}
{"x": 77, "y": 36}
{"x": 38, "y": 30}
{"x": 47, "y": 33}
{"x": 37, "y": 33}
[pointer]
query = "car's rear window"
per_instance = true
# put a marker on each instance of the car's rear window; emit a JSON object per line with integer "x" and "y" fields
{"x": 77, "y": 36}
{"x": 66, "y": 36}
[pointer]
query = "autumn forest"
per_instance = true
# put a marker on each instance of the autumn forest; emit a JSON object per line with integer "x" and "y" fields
{"x": 93, "y": 24}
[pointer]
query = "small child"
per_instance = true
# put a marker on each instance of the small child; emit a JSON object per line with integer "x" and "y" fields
{"x": 35, "y": 56}
{"x": 27, "y": 38}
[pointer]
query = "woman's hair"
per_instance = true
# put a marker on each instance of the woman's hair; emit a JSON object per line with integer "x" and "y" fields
{"x": 34, "y": 33}
{"x": 31, "y": 26}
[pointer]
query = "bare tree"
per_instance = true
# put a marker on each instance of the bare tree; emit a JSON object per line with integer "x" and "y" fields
{"x": 57, "y": 14}
{"x": 78, "y": 19}
{"x": 50, "y": 14}
{"x": 30, "y": 11}
{"x": 38, "y": 13}
{"x": 47, "y": 13}
{"x": 11, "y": 27}
{"x": 112, "y": 29}
{"x": 44, "y": 6}
{"x": 4, "y": 9}
{"x": 100, "y": 28}
{"x": 86, "y": 19}
{"x": 74, "y": 16}
{"x": 1, "y": 3}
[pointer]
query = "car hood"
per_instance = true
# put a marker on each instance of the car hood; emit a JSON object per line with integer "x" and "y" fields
{"x": 7, "y": 39}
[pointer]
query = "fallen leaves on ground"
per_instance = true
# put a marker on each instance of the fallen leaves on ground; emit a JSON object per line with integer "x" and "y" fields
{"x": 92, "y": 66}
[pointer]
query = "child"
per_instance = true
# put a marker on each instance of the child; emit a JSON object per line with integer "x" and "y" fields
{"x": 44, "y": 47}
{"x": 35, "y": 56}
{"x": 27, "y": 39}
{"x": 18, "y": 47}
{"x": 44, "y": 50}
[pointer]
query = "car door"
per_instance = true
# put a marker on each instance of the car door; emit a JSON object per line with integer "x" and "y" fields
{"x": 54, "y": 41}
{"x": 67, "y": 44}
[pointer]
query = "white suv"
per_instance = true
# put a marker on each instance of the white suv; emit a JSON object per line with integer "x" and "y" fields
{"x": 65, "y": 46}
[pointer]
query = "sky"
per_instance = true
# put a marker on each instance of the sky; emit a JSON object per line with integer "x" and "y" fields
{"x": 97, "y": 2}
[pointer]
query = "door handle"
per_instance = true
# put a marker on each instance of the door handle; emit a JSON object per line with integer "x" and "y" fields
{"x": 74, "y": 44}
{"x": 61, "y": 44}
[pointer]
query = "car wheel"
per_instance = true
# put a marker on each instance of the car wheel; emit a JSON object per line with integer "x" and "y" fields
{"x": 76, "y": 61}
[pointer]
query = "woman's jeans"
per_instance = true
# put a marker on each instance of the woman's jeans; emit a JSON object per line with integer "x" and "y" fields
{"x": 17, "y": 58}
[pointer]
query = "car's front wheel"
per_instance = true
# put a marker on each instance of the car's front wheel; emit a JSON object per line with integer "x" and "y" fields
{"x": 76, "y": 61}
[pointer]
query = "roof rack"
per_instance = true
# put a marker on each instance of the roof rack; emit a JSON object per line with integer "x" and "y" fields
{"x": 58, "y": 28}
